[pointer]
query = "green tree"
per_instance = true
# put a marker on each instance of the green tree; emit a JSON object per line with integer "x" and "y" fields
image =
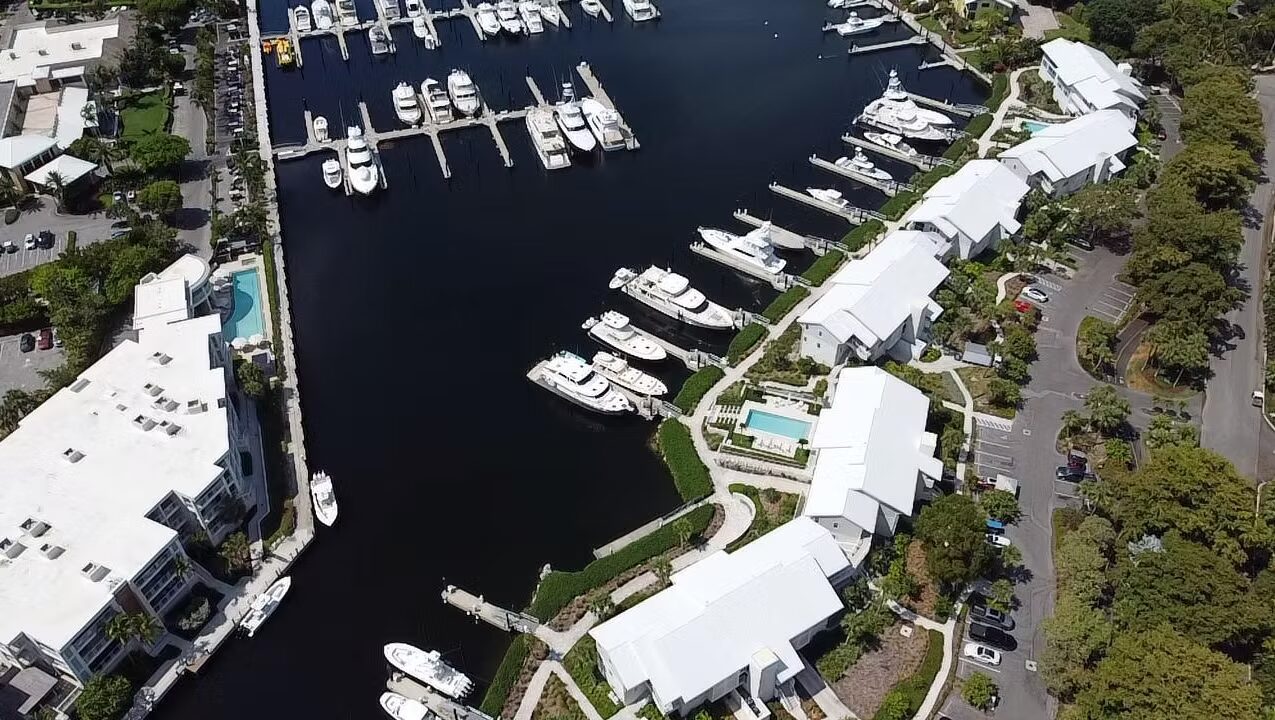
{"x": 1000, "y": 595}
{"x": 1164, "y": 431}
{"x": 1220, "y": 175}
{"x": 1014, "y": 370}
{"x": 979, "y": 691}
{"x": 1220, "y": 110}
{"x": 171, "y": 14}
{"x": 252, "y": 380}
{"x": 1000, "y": 505}
{"x": 894, "y": 706}
{"x": 104, "y": 697}
{"x": 160, "y": 152}
{"x": 1003, "y": 393}
{"x": 600, "y": 604}
{"x": 1073, "y": 423}
{"x": 952, "y": 531}
{"x": 1018, "y": 342}
{"x": 55, "y": 186}
{"x": 1179, "y": 347}
{"x": 128, "y": 264}
{"x": 1117, "y": 22}
{"x": 1178, "y": 231}
{"x": 682, "y": 528}
{"x": 1103, "y": 212}
{"x": 1076, "y": 637}
{"x": 162, "y": 197}
{"x": 16, "y": 405}
{"x": 1081, "y": 561}
{"x": 237, "y": 552}
{"x": 1108, "y": 411}
{"x": 1095, "y": 343}
{"x": 898, "y": 584}
{"x": 1194, "y": 294}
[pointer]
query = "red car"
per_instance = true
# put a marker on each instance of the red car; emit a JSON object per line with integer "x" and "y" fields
{"x": 46, "y": 339}
{"x": 1022, "y": 306}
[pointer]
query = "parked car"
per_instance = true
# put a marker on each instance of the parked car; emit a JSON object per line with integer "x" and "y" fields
{"x": 1081, "y": 243}
{"x": 9, "y": 246}
{"x": 46, "y": 339}
{"x": 980, "y": 611}
{"x": 995, "y": 526}
{"x": 1022, "y": 306}
{"x": 994, "y": 637}
{"x": 981, "y": 653}
{"x": 1071, "y": 474}
{"x": 1257, "y": 398}
{"x": 995, "y": 540}
{"x": 1034, "y": 293}
{"x": 29, "y": 243}
{"x": 27, "y": 342}
{"x": 46, "y": 239}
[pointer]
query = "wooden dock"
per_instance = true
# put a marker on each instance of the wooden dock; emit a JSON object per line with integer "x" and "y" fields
{"x": 861, "y": 49}
{"x": 889, "y": 187}
{"x": 479, "y": 609}
{"x": 849, "y": 213}
{"x": 962, "y": 109}
{"x": 783, "y": 238}
{"x": 924, "y": 162}
{"x": 442, "y": 706}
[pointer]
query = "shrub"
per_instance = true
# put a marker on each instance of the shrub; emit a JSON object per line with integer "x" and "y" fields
{"x": 506, "y": 675}
{"x": 1000, "y": 91}
{"x": 582, "y": 664}
{"x": 958, "y": 149}
{"x": 899, "y": 204}
{"x": 558, "y": 587}
{"x": 979, "y": 691}
{"x": 743, "y": 343}
{"x": 979, "y": 125}
{"x": 824, "y": 267}
{"x": 105, "y": 697}
{"x": 783, "y": 304}
{"x": 696, "y": 386}
{"x": 863, "y": 234}
{"x": 10, "y": 216}
{"x": 195, "y": 614}
{"x": 924, "y": 181}
{"x": 287, "y": 525}
{"x": 678, "y": 450}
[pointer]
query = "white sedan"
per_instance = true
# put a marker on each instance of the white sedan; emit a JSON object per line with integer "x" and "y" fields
{"x": 1031, "y": 292}
{"x": 981, "y": 653}
{"x": 999, "y": 541}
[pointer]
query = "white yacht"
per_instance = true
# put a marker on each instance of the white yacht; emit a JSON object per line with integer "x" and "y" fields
{"x": 837, "y": 4}
{"x": 571, "y": 119}
{"x": 487, "y": 19}
{"x": 592, "y": 7}
{"x": 345, "y": 11}
{"x": 401, "y": 707}
{"x": 641, "y": 10}
{"x": 620, "y": 372}
{"x": 302, "y": 14}
{"x": 786, "y": 240}
{"x": 390, "y": 8}
{"x": 325, "y": 507}
{"x": 896, "y": 112}
{"x": 570, "y": 377}
{"x": 531, "y": 18}
{"x": 406, "y": 106}
{"x": 547, "y": 139}
{"x": 429, "y": 668}
{"x": 855, "y": 25}
{"x": 890, "y": 141}
{"x": 604, "y": 123}
{"x": 420, "y": 28}
{"x": 550, "y": 13}
{"x": 414, "y": 8}
{"x": 672, "y": 294}
{"x": 507, "y": 13}
{"x": 829, "y": 196}
{"x": 363, "y": 173}
{"x": 333, "y": 175}
{"x": 378, "y": 39}
{"x": 463, "y": 92}
{"x": 436, "y": 102}
{"x": 862, "y": 165}
{"x": 321, "y": 129}
{"x": 263, "y": 606}
{"x": 614, "y": 329}
{"x": 752, "y": 249}
{"x": 321, "y": 14}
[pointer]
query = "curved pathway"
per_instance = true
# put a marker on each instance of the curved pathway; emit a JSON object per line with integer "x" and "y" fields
{"x": 998, "y": 118}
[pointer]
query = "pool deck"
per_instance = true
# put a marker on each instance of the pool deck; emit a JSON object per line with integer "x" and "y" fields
{"x": 790, "y": 412}
{"x": 251, "y": 262}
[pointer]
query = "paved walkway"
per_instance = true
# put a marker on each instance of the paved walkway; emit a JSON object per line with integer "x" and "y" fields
{"x": 823, "y": 695}
{"x": 998, "y": 119}
{"x": 948, "y": 629}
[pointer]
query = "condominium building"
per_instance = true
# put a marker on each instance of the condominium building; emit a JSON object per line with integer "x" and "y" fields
{"x": 1062, "y": 159}
{"x": 974, "y": 209}
{"x": 1086, "y": 80}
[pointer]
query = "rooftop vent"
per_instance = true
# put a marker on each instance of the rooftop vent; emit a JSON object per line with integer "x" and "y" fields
{"x": 167, "y": 404}
{"x": 95, "y": 572}
{"x": 80, "y": 384}
{"x": 42, "y": 51}
{"x": 144, "y": 422}
{"x": 160, "y": 358}
{"x": 194, "y": 407}
{"x": 35, "y": 528}
{"x": 121, "y": 407}
{"x": 153, "y": 390}
{"x": 76, "y": 46}
{"x": 72, "y": 455}
{"x": 52, "y": 552}
{"x": 11, "y": 548}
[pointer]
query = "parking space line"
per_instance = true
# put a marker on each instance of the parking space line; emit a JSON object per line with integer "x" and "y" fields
{"x": 979, "y": 665}
{"x": 1118, "y": 291}
{"x": 994, "y": 444}
{"x": 984, "y": 453}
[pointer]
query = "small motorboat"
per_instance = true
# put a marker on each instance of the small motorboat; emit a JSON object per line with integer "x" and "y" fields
{"x": 333, "y": 177}
{"x": 863, "y": 166}
{"x": 414, "y": 8}
{"x": 529, "y": 10}
{"x": 302, "y": 15}
{"x": 263, "y": 606}
{"x": 321, "y": 129}
{"x": 829, "y": 196}
{"x": 488, "y": 22}
{"x": 379, "y": 41}
{"x": 592, "y": 7}
{"x": 550, "y": 12}
{"x": 325, "y": 507}
{"x": 429, "y": 668}
{"x": 507, "y": 13}
{"x": 401, "y": 707}
{"x": 890, "y": 141}
{"x": 855, "y": 25}
{"x": 406, "y": 106}
{"x": 321, "y": 13}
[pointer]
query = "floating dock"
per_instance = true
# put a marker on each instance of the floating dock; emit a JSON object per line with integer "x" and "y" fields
{"x": 780, "y": 281}
{"x": 849, "y": 213}
{"x": 785, "y": 239}
{"x": 600, "y": 94}
{"x": 962, "y": 109}
{"x": 441, "y": 705}
{"x": 924, "y": 162}
{"x": 889, "y": 187}
{"x": 479, "y": 609}
{"x": 861, "y": 49}
{"x": 692, "y": 359}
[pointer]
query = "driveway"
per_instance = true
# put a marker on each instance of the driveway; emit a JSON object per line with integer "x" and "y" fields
{"x": 88, "y": 229}
{"x": 1036, "y": 19}
{"x": 21, "y": 371}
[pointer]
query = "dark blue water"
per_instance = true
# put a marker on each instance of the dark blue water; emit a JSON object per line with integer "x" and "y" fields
{"x": 419, "y": 311}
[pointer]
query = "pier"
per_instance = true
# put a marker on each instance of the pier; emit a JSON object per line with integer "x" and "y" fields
{"x": 861, "y": 49}
{"x": 780, "y": 281}
{"x": 442, "y": 706}
{"x": 647, "y": 407}
{"x": 786, "y": 239}
{"x": 479, "y": 609}
{"x": 692, "y": 359}
{"x": 924, "y": 162}
{"x": 386, "y": 23}
{"x": 889, "y": 187}
{"x": 962, "y": 109}
{"x": 849, "y": 213}
{"x": 600, "y": 94}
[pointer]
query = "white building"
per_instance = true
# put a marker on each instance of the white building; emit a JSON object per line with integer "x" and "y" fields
{"x": 1062, "y": 159}
{"x": 178, "y": 292}
{"x": 99, "y": 485}
{"x": 731, "y": 622}
{"x": 879, "y": 304}
{"x": 975, "y": 208}
{"x": 43, "y": 56}
{"x": 1086, "y": 80}
{"x": 873, "y": 457}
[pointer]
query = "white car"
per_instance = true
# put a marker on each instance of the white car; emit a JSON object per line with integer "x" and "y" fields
{"x": 981, "y": 653}
{"x": 29, "y": 243}
{"x": 999, "y": 541}
{"x": 1034, "y": 293}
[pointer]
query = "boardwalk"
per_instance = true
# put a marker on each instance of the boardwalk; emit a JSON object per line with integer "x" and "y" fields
{"x": 478, "y": 608}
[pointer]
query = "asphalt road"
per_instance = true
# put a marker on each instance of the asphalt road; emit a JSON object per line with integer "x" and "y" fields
{"x": 193, "y": 221}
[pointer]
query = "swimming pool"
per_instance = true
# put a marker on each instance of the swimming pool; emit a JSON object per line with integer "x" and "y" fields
{"x": 245, "y": 319}
{"x": 1034, "y": 127}
{"x": 777, "y": 424}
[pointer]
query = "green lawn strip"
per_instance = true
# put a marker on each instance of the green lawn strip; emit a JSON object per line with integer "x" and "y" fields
{"x": 678, "y": 450}
{"x": 696, "y": 386}
{"x": 144, "y": 115}
{"x": 506, "y": 675}
{"x": 899, "y": 204}
{"x": 763, "y": 521}
{"x": 824, "y": 267}
{"x": 863, "y": 234}
{"x": 1000, "y": 91}
{"x": 272, "y": 294}
{"x": 582, "y": 664}
{"x": 915, "y": 688}
{"x": 782, "y": 305}
{"x": 742, "y": 345}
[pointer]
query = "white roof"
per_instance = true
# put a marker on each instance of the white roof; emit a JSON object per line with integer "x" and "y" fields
{"x": 1090, "y": 73}
{"x": 96, "y": 505}
{"x": 18, "y": 149}
{"x": 58, "y": 51}
{"x": 972, "y": 201}
{"x": 871, "y": 297}
{"x": 722, "y": 611}
{"x": 1062, "y": 151}
{"x": 165, "y": 297}
{"x": 71, "y": 122}
{"x": 70, "y": 168}
{"x": 872, "y": 446}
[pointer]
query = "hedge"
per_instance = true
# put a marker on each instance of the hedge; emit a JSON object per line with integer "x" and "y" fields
{"x": 824, "y": 267}
{"x": 899, "y": 204}
{"x": 743, "y": 343}
{"x": 1000, "y": 91}
{"x": 958, "y": 149}
{"x": 581, "y": 663}
{"x": 506, "y": 675}
{"x": 677, "y": 447}
{"x": 979, "y": 125}
{"x": 863, "y": 234}
{"x": 781, "y": 305}
{"x": 915, "y": 688}
{"x": 924, "y": 181}
{"x": 700, "y": 382}
{"x": 762, "y": 523}
{"x": 272, "y": 295}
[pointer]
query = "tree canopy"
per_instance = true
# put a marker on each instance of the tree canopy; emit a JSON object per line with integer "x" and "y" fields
{"x": 159, "y": 152}
{"x": 952, "y": 530}
{"x": 162, "y": 197}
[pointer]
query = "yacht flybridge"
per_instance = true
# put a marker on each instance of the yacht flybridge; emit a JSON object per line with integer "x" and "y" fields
{"x": 672, "y": 295}
{"x": 345, "y": 11}
{"x": 463, "y": 92}
{"x": 753, "y": 249}
{"x": 429, "y": 668}
{"x": 862, "y": 165}
{"x": 401, "y": 707}
{"x": 604, "y": 122}
{"x": 614, "y": 329}
{"x": 363, "y": 172}
{"x": 570, "y": 377}
{"x": 829, "y": 196}
{"x": 547, "y": 139}
{"x": 405, "y": 104}
{"x": 436, "y": 101}
{"x": 620, "y": 372}
{"x": 896, "y": 112}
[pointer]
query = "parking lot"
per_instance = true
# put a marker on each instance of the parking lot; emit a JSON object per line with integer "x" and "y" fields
{"x": 88, "y": 229}
{"x": 993, "y": 449}
{"x": 21, "y": 371}
{"x": 1013, "y": 671}
{"x": 1113, "y": 302}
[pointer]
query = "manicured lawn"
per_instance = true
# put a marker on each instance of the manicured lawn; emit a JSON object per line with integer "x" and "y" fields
{"x": 1068, "y": 27}
{"x": 976, "y": 379}
{"x": 144, "y": 115}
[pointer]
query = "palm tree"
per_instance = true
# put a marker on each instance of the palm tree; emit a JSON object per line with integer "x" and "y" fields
{"x": 683, "y": 529}
{"x": 663, "y": 569}
{"x": 182, "y": 566}
{"x": 1073, "y": 423}
{"x": 56, "y": 186}
{"x": 9, "y": 192}
{"x": 236, "y": 551}
{"x": 145, "y": 627}
{"x": 119, "y": 629}
{"x": 98, "y": 151}
{"x": 600, "y": 604}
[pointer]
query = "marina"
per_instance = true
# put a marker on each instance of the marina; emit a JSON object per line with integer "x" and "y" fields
{"x": 889, "y": 187}
{"x": 845, "y": 211}
{"x": 924, "y": 162}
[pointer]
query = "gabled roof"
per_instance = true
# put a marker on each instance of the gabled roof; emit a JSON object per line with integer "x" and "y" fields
{"x": 70, "y": 168}
{"x": 1062, "y": 151}
{"x": 1093, "y": 75}
{"x": 973, "y": 200}
{"x": 18, "y": 149}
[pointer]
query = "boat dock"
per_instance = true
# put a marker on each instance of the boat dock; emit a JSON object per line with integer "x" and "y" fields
{"x": 924, "y": 162}
{"x": 692, "y": 359}
{"x": 887, "y": 20}
{"x": 787, "y": 239}
{"x": 441, "y": 705}
{"x": 849, "y": 213}
{"x": 941, "y": 62}
{"x": 647, "y": 407}
{"x": 386, "y": 23}
{"x": 600, "y": 94}
{"x": 780, "y": 281}
{"x": 889, "y": 187}
{"x": 479, "y": 609}
{"x": 861, "y": 49}
{"x": 968, "y": 110}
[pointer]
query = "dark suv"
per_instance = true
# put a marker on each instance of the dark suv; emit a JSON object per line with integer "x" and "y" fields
{"x": 995, "y": 637}
{"x": 980, "y": 612}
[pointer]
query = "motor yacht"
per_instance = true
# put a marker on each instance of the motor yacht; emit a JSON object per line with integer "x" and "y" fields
{"x": 641, "y": 10}
{"x": 829, "y": 196}
{"x": 406, "y": 106}
{"x": 463, "y": 92}
{"x": 346, "y": 13}
{"x": 529, "y": 11}
{"x": 261, "y": 607}
{"x": 620, "y": 372}
{"x": 401, "y": 707}
{"x": 390, "y": 9}
{"x": 321, "y": 129}
{"x": 429, "y": 668}
{"x": 672, "y": 295}
{"x": 321, "y": 14}
{"x": 547, "y": 139}
{"x": 613, "y": 329}
{"x": 604, "y": 122}
{"x": 860, "y": 163}
{"x": 414, "y": 8}
{"x": 550, "y": 12}
{"x": 507, "y": 13}
{"x": 592, "y": 7}
{"x": 436, "y": 101}
{"x": 302, "y": 15}
{"x": 363, "y": 172}
{"x": 896, "y": 112}
{"x": 786, "y": 240}
{"x": 571, "y": 119}
{"x": 890, "y": 141}
{"x": 488, "y": 21}
{"x": 753, "y": 249}
{"x": 325, "y": 507}
{"x": 570, "y": 377}
{"x": 855, "y": 25}
{"x": 420, "y": 28}
{"x": 333, "y": 175}
{"x": 379, "y": 41}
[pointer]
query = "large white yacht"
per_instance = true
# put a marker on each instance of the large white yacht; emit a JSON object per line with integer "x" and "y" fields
{"x": 263, "y": 606}
{"x": 464, "y": 93}
{"x": 487, "y": 19}
{"x": 570, "y": 377}
{"x": 321, "y": 129}
{"x": 829, "y": 196}
{"x": 571, "y": 119}
{"x": 325, "y": 507}
{"x": 896, "y": 112}
{"x": 591, "y": 7}
{"x": 401, "y": 707}
{"x": 346, "y": 12}
{"x": 550, "y": 12}
{"x": 390, "y": 8}
{"x": 414, "y": 8}
{"x": 507, "y": 13}
{"x": 862, "y": 165}
{"x": 641, "y": 10}
{"x": 855, "y": 25}
{"x": 333, "y": 175}
{"x": 547, "y": 139}
{"x": 672, "y": 294}
{"x": 620, "y": 372}
{"x": 531, "y": 18}
{"x": 436, "y": 102}
{"x": 405, "y": 104}
{"x": 890, "y": 141}
{"x": 604, "y": 123}
{"x": 429, "y": 668}
{"x": 752, "y": 249}
{"x": 786, "y": 240}
{"x": 321, "y": 14}
{"x": 614, "y": 330}
{"x": 363, "y": 173}
{"x": 302, "y": 14}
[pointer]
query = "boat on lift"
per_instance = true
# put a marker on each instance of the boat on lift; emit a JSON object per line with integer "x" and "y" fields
{"x": 614, "y": 329}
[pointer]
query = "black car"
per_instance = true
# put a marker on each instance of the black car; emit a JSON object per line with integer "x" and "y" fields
{"x": 27, "y": 342}
{"x": 46, "y": 238}
{"x": 980, "y": 612}
{"x": 1066, "y": 472}
{"x": 995, "y": 637}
